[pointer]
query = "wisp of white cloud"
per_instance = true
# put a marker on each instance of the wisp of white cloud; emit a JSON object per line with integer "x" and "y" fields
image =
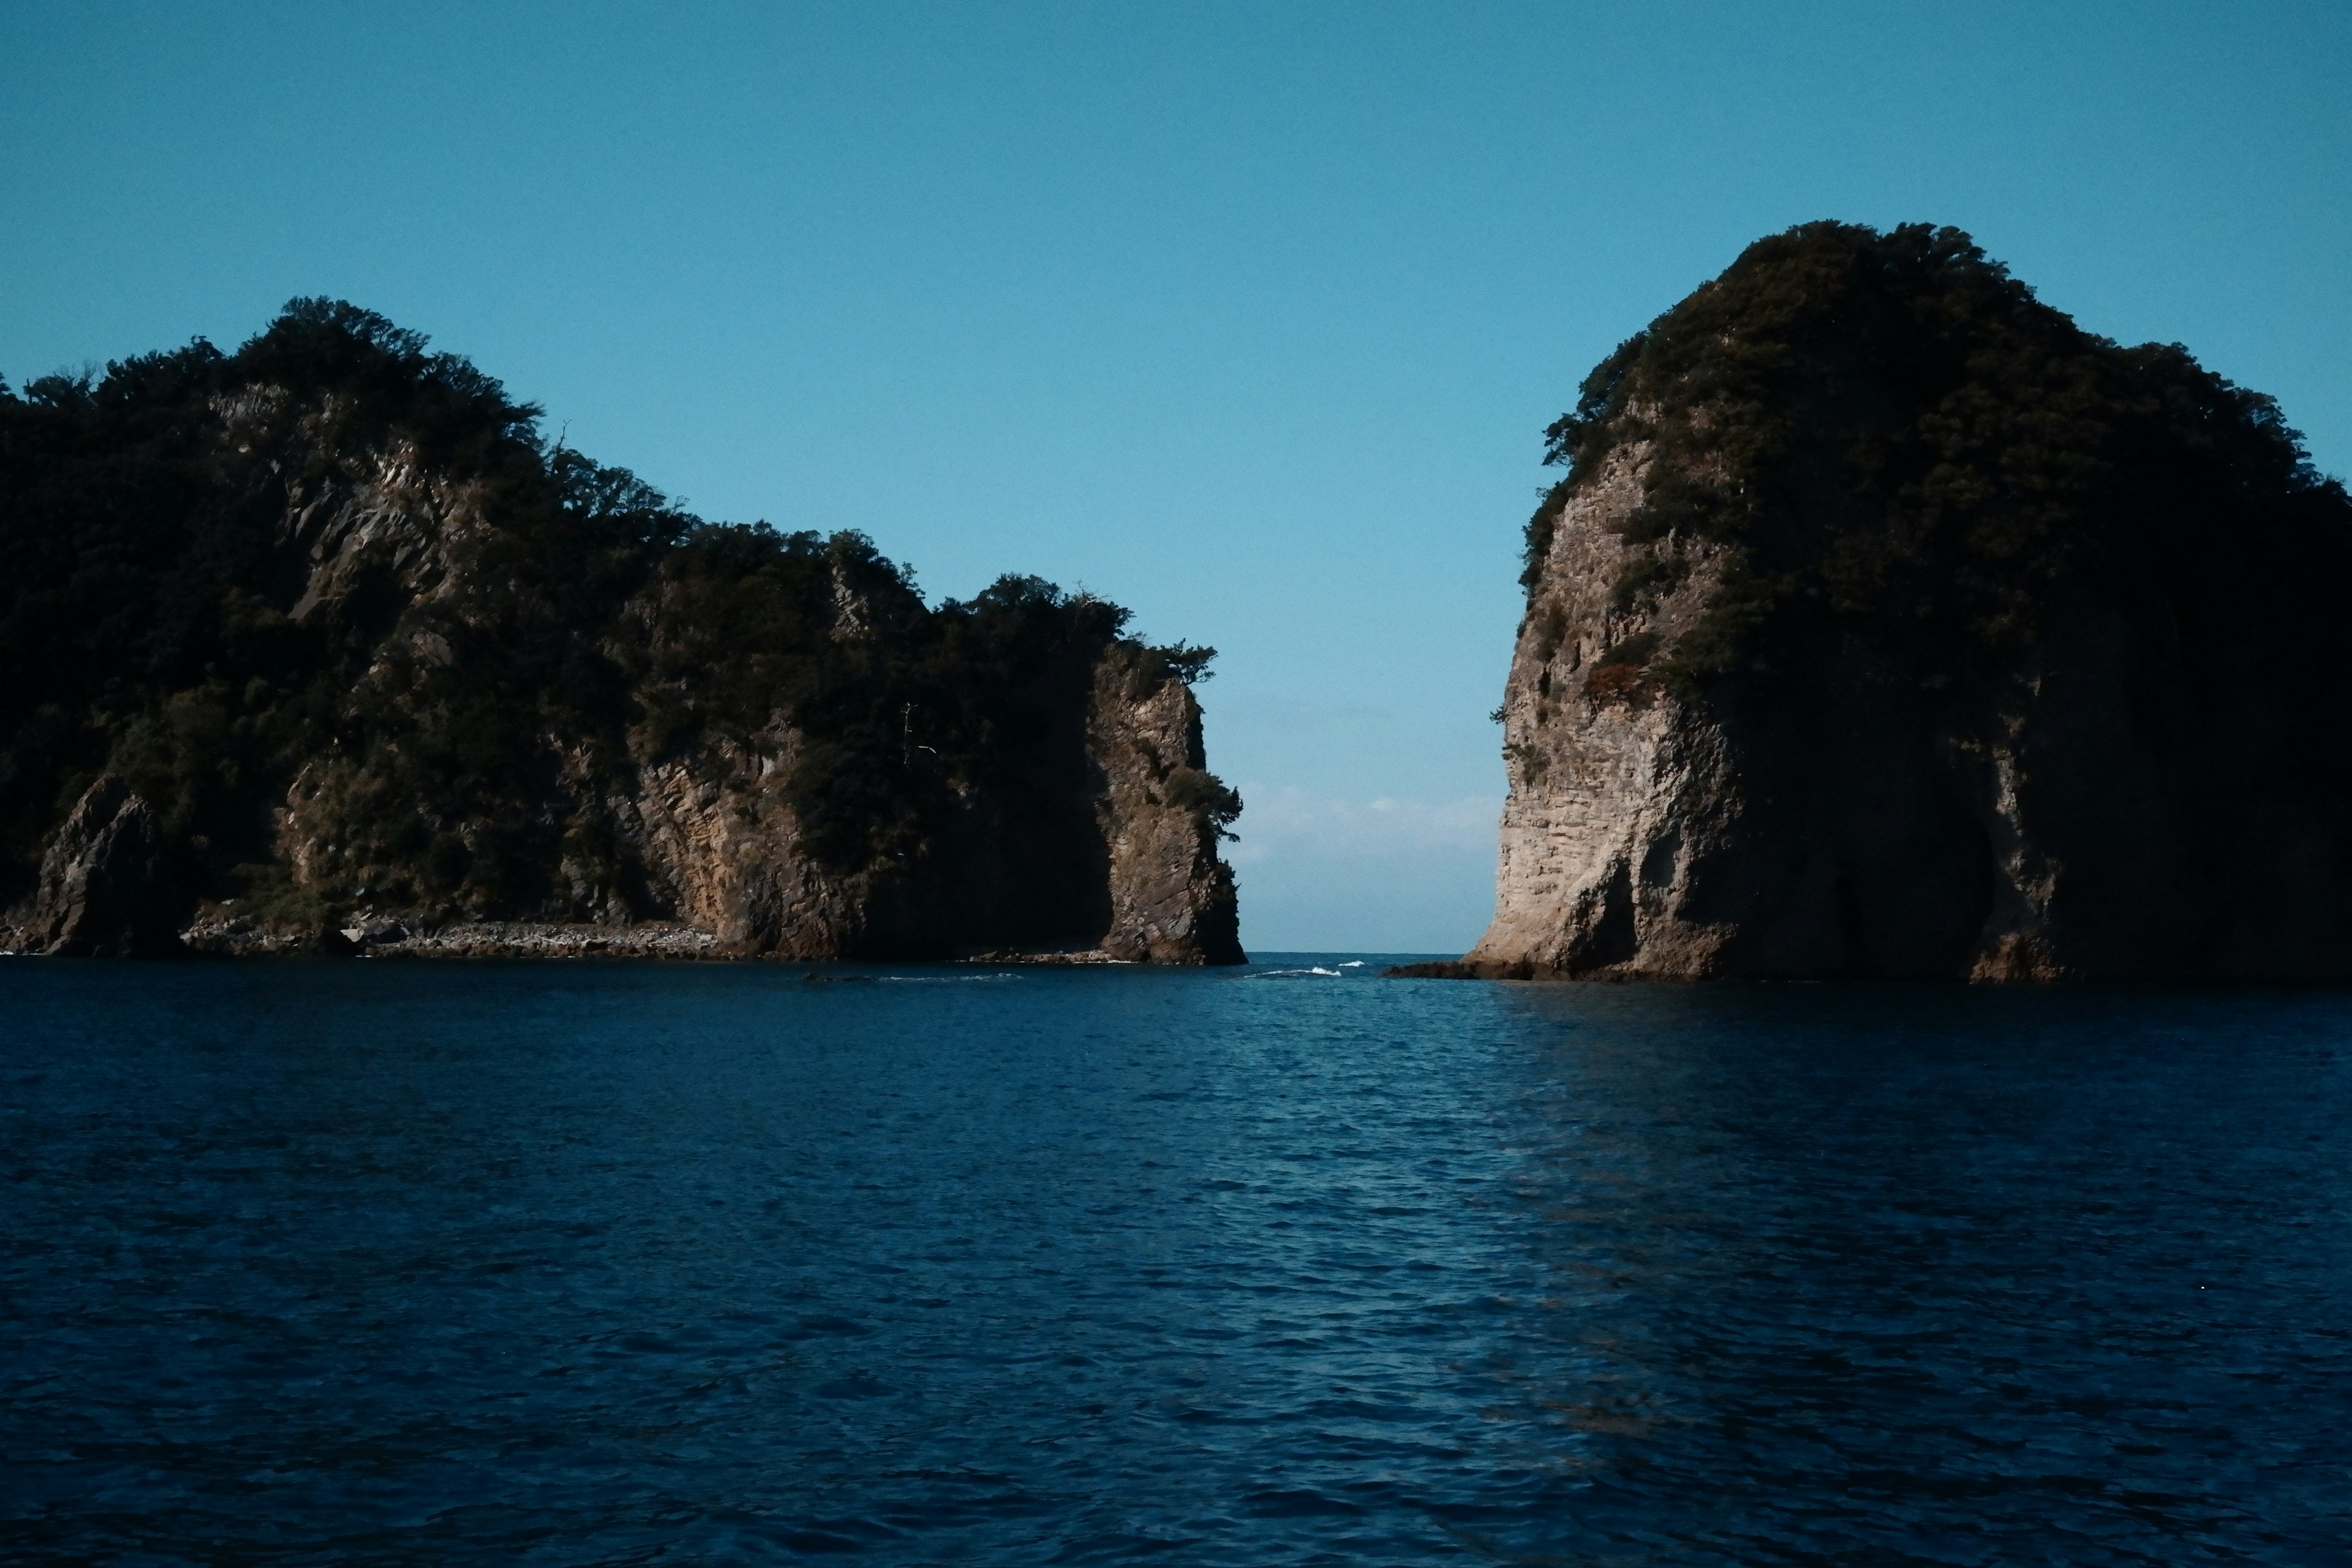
{"x": 1324, "y": 874}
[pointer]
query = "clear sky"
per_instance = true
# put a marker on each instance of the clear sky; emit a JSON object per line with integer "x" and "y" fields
{"x": 1245, "y": 316}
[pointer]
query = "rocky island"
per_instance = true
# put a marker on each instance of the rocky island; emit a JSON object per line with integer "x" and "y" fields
{"x": 1888, "y": 624}
{"x": 322, "y": 645}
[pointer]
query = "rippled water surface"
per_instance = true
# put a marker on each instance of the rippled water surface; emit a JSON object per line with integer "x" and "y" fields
{"x": 382, "y": 1263}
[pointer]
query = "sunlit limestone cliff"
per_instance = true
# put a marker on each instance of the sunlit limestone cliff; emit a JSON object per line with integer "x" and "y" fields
{"x": 1888, "y": 623}
{"x": 322, "y": 645}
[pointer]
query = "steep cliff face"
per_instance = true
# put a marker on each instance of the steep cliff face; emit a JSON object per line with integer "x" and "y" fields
{"x": 365, "y": 662}
{"x": 1171, "y": 899}
{"x": 103, "y": 887}
{"x": 1617, "y": 796}
{"x": 1116, "y": 865}
{"x": 1889, "y": 625}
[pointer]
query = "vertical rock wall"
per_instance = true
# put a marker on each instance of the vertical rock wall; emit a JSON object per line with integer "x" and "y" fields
{"x": 105, "y": 887}
{"x": 1616, "y": 791}
{"x": 1172, "y": 898}
{"x": 2107, "y": 825}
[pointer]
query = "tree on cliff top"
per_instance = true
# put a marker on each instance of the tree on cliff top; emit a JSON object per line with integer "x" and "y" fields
{"x": 1902, "y": 449}
{"x": 151, "y": 579}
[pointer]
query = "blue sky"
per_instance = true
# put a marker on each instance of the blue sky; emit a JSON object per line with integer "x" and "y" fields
{"x": 1245, "y": 316}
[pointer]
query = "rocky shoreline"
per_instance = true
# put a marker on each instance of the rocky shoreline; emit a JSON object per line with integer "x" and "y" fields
{"x": 234, "y": 937}
{"x": 224, "y": 932}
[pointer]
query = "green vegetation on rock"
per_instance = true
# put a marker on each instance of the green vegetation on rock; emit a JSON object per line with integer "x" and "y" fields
{"x": 1888, "y": 624}
{"x": 337, "y": 579}
{"x": 1897, "y": 446}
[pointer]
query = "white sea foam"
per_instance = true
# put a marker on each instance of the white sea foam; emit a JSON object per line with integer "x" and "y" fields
{"x": 944, "y": 979}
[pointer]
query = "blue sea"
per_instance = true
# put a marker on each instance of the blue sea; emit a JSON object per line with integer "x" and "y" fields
{"x": 375, "y": 1262}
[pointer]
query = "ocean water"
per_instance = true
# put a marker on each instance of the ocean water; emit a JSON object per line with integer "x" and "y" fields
{"x": 371, "y": 1262}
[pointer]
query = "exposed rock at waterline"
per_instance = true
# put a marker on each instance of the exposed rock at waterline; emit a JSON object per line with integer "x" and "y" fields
{"x": 1889, "y": 625}
{"x": 104, "y": 887}
{"x": 372, "y": 657}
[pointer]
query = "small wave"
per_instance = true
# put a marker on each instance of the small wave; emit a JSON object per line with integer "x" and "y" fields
{"x": 1293, "y": 974}
{"x": 944, "y": 979}
{"x": 1353, "y": 964}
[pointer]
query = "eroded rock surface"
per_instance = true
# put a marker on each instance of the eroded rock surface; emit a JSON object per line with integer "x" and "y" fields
{"x": 105, "y": 889}
{"x": 1888, "y": 625}
{"x": 1172, "y": 898}
{"x": 360, "y": 662}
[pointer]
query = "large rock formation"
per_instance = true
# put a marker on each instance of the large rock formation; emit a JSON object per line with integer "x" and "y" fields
{"x": 1887, "y": 625}
{"x": 365, "y": 662}
{"x": 104, "y": 888}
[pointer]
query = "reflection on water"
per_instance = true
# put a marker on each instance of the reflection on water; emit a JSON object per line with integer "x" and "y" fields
{"x": 1976, "y": 1277}
{"x": 616, "y": 1264}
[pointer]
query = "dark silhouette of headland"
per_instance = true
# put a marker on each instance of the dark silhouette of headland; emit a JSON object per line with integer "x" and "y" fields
{"x": 1888, "y": 624}
{"x": 322, "y": 645}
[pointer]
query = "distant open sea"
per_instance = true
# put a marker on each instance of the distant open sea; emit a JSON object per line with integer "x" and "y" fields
{"x": 374, "y": 1262}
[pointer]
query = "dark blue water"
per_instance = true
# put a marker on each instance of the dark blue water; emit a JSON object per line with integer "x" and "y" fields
{"x": 382, "y": 1263}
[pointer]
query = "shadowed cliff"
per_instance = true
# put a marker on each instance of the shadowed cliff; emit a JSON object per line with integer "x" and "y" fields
{"x": 322, "y": 643}
{"x": 1888, "y": 624}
